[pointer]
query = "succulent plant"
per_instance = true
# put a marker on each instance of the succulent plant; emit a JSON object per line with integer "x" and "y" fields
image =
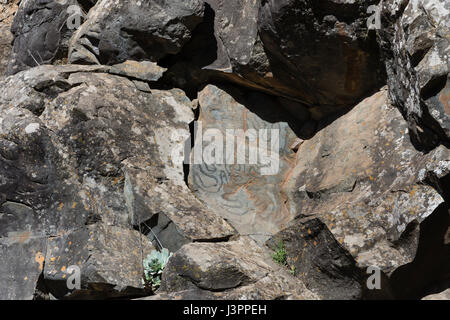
{"x": 154, "y": 265}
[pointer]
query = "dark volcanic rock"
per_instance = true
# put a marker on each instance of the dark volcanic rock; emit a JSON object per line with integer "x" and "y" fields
{"x": 40, "y": 33}
{"x": 82, "y": 147}
{"x": 234, "y": 270}
{"x": 320, "y": 261}
{"x": 116, "y": 31}
{"x": 415, "y": 37}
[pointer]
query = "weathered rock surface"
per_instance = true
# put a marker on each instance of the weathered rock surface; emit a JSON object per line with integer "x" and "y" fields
{"x": 40, "y": 33}
{"x": 82, "y": 147}
{"x": 234, "y": 270}
{"x": 237, "y": 190}
{"x": 116, "y": 31}
{"x": 320, "y": 261}
{"x": 7, "y": 10}
{"x": 415, "y": 37}
{"x": 91, "y": 156}
{"x": 300, "y": 36}
{"x": 109, "y": 258}
{"x": 378, "y": 192}
{"x": 246, "y": 42}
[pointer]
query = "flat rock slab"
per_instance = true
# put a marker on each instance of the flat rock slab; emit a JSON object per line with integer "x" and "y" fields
{"x": 243, "y": 193}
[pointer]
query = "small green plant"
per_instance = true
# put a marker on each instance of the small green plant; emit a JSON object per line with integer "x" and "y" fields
{"x": 154, "y": 265}
{"x": 280, "y": 255}
{"x": 293, "y": 270}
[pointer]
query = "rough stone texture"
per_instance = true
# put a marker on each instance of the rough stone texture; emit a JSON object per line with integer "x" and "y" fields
{"x": 109, "y": 258}
{"x": 249, "y": 200}
{"x": 233, "y": 270}
{"x": 244, "y": 42}
{"x": 80, "y": 146}
{"x": 116, "y": 31}
{"x": 40, "y": 33}
{"x": 300, "y": 36}
{"x": 91, "y": 157}
{"x": 320, "y": 261}
{"x": 415, "y": 38}
{"x": 379, "y": 188}
{"x": 145, "y": 71}
{"x": 7, "y": 10}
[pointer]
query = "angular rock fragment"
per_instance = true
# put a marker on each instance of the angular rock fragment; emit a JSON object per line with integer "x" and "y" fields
{"x": 233, "y": 270}
{"x": 109, "y": 260}
{"x": 415, "y": 40}
{"x": 41, "y": 33}
{"x": 320, "y": 261}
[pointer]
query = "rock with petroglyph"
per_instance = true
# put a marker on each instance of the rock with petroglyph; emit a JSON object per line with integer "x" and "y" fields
{"x": 234, "y": 270}
{"x": 239, "y": 174}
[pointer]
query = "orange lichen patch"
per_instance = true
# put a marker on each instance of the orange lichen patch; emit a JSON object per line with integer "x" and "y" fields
{"x": 39, "y": 258}
{"x": 63, "y": 269}
{"x": 52, "y": 259}
{"x": 309, "y": 231}
{"x": 74, "y": 205}
{"x": 61, "y": 206}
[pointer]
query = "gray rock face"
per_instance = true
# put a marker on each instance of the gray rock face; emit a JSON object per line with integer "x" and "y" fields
{"x": 116, "y": 31}
{"x": 75, "y": 154}
{"x": 238, "y": 190}
{"x": 234, "y": 270}
{"x": 299, "y": 37}
{"x": 40, "y": 33}
{"x": 415, "y": 38}
{"x": 304, "y": 173}
{"x": 379, "y": 195}
{"x": 320, "y": 261}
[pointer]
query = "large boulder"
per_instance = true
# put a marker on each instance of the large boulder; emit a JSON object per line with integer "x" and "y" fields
{"x": 246, "y": 192}
{"x": 41, "y": 33}
{"x": 116, "y": 31}
{"x": 82, "y": 147}
{"x": 415, "y": 38}
{"x": 234, "y": 270}
{"x": 375, "y": 193}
